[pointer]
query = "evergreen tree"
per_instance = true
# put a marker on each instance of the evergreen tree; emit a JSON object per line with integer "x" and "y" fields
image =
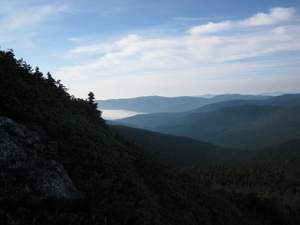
{"x": 91, "y": 97}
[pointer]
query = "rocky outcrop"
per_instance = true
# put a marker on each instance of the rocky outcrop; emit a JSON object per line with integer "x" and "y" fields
{"x": 27, "y": 178}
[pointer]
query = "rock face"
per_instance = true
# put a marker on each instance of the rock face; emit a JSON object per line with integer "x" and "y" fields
{"x": 27, "y": 178}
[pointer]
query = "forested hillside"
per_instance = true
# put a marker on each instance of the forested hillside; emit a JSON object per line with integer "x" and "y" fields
{"x": 182, "y": 151}
{"x": 120, "y": 182}
{"x": 175, "y": 150}
{"x": 270, "y": 189}
{"x": 231, "y": 124}
{"x": 60, "y": 164}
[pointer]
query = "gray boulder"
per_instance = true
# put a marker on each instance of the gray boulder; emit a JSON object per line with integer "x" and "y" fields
{"x": 27, "y": 177}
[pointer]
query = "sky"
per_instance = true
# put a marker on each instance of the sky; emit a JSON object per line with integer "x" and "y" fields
{"x": 131, "y": 48}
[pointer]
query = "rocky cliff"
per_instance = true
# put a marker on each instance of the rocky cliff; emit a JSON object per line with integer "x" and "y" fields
{"x": 27, "y": 177}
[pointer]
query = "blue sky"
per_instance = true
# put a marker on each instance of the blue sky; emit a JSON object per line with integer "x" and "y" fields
{"x": 129, "y": 48}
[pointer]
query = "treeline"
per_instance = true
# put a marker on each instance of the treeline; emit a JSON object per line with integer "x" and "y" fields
{"x": 28, "y": 95}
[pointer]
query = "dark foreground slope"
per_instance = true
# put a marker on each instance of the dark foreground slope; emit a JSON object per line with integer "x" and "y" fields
{"x": 59, "y": 164}
{"x": 269, "y": 189}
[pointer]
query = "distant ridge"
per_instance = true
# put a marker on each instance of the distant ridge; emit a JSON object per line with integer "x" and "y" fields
{"x": 182, "y": 151}
{"x": 242, "y": 124}
{"x": 277, "y": 93}
{"x": 153, "y": 104}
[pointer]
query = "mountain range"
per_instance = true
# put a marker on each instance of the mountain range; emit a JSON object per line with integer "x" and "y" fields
{"x": 183, "y": 151}
{"x": 241, "y": 124}
{"x": 153, "y": 104}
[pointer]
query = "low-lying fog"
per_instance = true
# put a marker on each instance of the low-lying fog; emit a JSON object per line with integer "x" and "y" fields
{"x": 117, "y": 114}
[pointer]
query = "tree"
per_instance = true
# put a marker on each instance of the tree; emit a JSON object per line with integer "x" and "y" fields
{"x": 91, "y": 97}
{"x": 37, "y": 73}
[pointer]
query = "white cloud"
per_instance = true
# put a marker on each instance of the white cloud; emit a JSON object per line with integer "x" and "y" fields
{"x": 212, "y": 51}
{"x": 20, "y": 20}
{"x": 286, "y": 29}
{"x": 211, "y": 28}
{"x": 131, "y": 39}
{"x": 275, "y": 15}
{"x": 16, "y": 15}
{"x": 91, "y": 49}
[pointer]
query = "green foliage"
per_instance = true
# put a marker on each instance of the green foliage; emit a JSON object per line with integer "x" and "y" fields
{"x": 269, "y": 190}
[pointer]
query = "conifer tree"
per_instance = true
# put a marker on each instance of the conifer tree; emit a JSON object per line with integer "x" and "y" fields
{"x": 91, "y": 97}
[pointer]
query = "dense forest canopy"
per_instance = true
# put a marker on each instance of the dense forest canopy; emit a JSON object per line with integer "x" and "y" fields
{"x": 122, "y": 183}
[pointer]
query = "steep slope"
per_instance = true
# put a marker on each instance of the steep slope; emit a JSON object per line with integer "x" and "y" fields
{"x": 121, "y": 183}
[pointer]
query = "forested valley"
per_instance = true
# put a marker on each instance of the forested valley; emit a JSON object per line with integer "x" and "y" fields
{"x": 60, "y": 163}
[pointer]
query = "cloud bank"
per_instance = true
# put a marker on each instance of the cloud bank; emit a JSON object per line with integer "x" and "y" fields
{"x": 261, "y": 49}
{"x": 260, "y": 35}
